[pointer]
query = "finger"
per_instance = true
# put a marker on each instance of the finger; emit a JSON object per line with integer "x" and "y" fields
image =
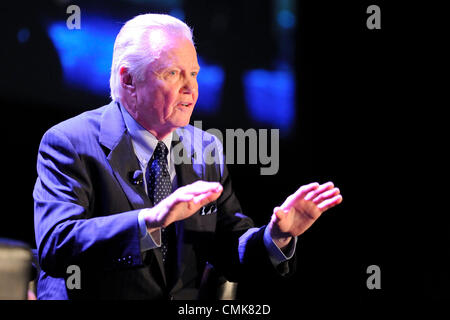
{"x": 327, "y": 204}
{"x": 304, "y": 190}
{"x": 322, "y": 188}
{"x": 199, "y": 199}
{"x": 326, "y": 195}
{"x": 184, "y": 197}
{"x": 205, "y": 198}
{"x": 299, "y": 195}
{"x": 200, "y": 187}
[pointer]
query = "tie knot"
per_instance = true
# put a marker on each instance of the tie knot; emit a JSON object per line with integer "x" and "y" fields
{"x": 161, "y": 151}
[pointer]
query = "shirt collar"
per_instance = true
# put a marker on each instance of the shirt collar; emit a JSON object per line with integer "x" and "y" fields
{"x": 144, "y": 143}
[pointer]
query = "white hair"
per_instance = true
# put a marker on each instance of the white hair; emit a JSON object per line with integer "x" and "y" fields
{"x": 137, "y": 45}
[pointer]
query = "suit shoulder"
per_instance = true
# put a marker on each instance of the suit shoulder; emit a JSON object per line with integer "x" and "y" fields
{"x": 79, "y": 130}
{"x": 82, "y": 122}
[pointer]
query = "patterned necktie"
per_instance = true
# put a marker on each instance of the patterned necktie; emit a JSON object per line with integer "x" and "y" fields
{"x": 160, "y": 186}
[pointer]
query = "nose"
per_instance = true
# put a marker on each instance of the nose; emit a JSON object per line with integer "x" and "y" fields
{"x": 190, "y": 86}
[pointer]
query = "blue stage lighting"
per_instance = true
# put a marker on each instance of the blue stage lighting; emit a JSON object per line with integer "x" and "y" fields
{"x": 86, "y": 54}
{"x": 210, "y": 82}
{"x": 270, "y": 97}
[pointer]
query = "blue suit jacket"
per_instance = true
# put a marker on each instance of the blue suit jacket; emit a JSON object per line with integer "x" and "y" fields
{"x": 86, "y": 209}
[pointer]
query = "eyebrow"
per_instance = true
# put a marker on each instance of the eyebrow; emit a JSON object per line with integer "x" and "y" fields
{"x": 165, "y": 67}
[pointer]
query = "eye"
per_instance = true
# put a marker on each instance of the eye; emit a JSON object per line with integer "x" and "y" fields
{"x": 194, "y": 74}
{"x": 173, "y": 72}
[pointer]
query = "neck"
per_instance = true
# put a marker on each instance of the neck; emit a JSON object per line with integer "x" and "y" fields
{"x": 160, "y": 134}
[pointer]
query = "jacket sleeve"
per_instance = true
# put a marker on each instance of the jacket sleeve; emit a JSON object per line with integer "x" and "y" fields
{"x": 65, "y": 230}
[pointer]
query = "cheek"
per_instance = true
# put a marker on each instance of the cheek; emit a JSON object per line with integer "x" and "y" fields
{"x": 160, "y": 100}
{"x": 170, "y": 100}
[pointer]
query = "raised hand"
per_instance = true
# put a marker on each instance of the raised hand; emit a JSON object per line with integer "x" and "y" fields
{"x": 301, "y": 210}
{"x": 182, "y": 204}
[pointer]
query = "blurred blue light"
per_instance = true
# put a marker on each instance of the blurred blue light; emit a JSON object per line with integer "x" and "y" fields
{"x": 23, "y": 35}
{"x": 210, "y": 82}
{"x": 270, "y": 97}
{"x": 86, "y": 54}
{"x": 286, "y": 19}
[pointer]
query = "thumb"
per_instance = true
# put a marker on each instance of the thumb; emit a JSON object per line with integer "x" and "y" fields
{"x": 278, "y": 214}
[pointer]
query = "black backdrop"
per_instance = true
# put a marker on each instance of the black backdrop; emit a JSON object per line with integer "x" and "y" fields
{"x": 363, "y": 121}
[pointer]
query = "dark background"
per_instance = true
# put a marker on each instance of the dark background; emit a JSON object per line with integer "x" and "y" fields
{"x": 367, "y": 118}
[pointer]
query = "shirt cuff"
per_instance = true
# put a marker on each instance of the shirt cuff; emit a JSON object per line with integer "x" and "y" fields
{"x": 275, "y": 254}
{"x": 148, "y": 240}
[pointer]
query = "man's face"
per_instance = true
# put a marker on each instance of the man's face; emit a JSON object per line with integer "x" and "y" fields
{"x": 166, "y": 98}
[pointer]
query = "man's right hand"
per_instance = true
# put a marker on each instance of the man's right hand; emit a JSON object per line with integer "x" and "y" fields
{"x": 181, "y": 204}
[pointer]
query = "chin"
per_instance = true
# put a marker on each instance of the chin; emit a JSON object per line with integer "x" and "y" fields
{"x": 182, "y": 121}
{"x": 178, "y": 124}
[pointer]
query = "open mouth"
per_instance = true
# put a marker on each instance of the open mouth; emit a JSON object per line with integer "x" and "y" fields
{"x": 185, "y": 104}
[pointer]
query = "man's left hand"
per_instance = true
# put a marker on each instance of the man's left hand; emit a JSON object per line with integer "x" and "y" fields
{"x": 301, "y": 210}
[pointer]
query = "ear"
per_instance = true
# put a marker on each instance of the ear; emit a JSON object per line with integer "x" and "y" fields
{"x": 126, "y": 80}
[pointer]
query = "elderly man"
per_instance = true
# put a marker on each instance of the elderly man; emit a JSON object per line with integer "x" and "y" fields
{"x": 111, "y": 198}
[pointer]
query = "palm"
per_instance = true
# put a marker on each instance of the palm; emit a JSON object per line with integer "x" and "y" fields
{"x": 299, "y": 218}
{"x": 303, "y": 208}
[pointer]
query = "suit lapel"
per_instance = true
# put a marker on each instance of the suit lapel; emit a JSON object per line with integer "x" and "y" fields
{"x": 123, "y": 161}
